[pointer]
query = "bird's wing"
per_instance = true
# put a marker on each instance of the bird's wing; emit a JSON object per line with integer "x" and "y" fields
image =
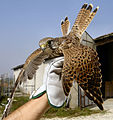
{"x": 31, "y": 65}
{"x": 33, "y": 61}
{"x": 83, "y": 19}
{"x": 65, "y": 26}
{"x": 84, "y": 68}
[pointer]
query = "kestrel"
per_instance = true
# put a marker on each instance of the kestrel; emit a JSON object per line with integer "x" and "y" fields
{"x": 81, "y": 63}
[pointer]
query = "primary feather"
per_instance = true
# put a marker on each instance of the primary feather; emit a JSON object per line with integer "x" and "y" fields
{"x": 82, "y": 21}
{"x": 65, "y": 26}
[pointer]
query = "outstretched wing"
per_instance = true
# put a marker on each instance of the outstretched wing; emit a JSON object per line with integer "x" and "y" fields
{"x": 33, "y": 61}
{"x": 82, "y": 21}
{"x": 84, "y": 68}
{"x": 65, "y": 26}
{"x": 31, "y": 65}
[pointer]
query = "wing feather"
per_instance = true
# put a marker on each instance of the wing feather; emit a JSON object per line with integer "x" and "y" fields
{"x": 65, "y": 26}
{"x": 33, "y": 61}
{"x": 28, "y": 70}
{"x": 89, "y": 19}
{"x": 83, "y": 66}
{"x": 83, "y": 20}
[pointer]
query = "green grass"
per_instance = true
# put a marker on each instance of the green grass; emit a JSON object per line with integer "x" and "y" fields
{"x": 18, "y": 101}
{"x": 4, "y": 101}
{"x": 64, "y": 112}
{"x": 52, "y": 112}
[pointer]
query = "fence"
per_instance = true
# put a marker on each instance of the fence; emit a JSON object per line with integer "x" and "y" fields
{"x": 6, "y": 85}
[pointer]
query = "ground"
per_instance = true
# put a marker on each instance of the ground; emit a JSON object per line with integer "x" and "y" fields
{"x": 108, "y": 115}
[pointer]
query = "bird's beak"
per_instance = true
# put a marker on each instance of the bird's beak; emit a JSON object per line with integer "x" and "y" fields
{"x": 43, "y": 47}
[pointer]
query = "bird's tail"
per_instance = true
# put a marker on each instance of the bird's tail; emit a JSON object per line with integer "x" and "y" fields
{"x": 65, "y": 26}
{"x": 83, "y": 19}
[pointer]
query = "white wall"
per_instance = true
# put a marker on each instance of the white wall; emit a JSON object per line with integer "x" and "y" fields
{"x": 29, "y": 85}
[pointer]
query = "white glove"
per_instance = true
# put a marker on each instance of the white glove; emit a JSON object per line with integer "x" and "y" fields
{"x": 52, "y": 83}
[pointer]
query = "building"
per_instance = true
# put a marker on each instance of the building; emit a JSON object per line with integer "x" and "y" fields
{"x": 105, "y": 50}
{"x": 77, "y": 96}
{"x": 28, "y": 86}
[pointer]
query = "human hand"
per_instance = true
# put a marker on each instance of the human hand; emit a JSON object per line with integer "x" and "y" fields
{"x": 52, "y": 83}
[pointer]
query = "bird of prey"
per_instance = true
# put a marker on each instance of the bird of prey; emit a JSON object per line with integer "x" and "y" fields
{"x": 81, "y": 63}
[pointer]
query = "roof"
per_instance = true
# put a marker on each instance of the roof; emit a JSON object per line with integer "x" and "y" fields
{"x": 89, "y": 35}
{"x": 104, "y": 39}
{"x": 18, "y": 67}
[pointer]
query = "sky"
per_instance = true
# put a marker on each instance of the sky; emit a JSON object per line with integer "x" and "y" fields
{"x": 24, "y": 22}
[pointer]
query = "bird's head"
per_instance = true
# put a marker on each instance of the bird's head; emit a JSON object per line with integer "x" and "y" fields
{"x": 48, "y": 43}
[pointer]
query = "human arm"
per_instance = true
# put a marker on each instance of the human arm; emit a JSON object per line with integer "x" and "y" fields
{"x": 32, "y": 110}
{"x": 51, "y": 92}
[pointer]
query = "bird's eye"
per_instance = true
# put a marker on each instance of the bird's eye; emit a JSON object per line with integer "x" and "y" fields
{"x": 49, "y": 42}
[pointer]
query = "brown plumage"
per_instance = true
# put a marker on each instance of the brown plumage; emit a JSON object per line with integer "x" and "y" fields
{"x": 83, "y": 19}
{"x": 65, "y": 26}
{"x": 81, "y": 63}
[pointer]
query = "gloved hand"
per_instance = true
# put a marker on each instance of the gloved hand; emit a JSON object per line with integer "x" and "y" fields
{"x": 52, "y": 83}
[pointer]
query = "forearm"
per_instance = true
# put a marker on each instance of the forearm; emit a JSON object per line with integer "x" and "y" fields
{"x": 32, "y": 110}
